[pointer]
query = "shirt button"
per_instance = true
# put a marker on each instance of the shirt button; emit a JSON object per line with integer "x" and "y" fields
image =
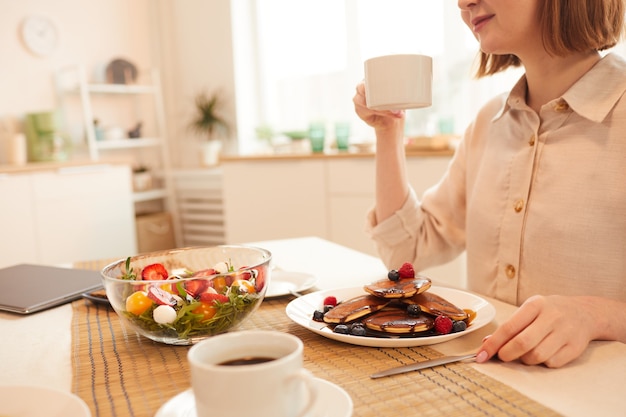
{"x": 510, "y": 271}
{"x": 561, "y": 106}
{"x": 531, "y": 141}
{"x": 519, "y": 205}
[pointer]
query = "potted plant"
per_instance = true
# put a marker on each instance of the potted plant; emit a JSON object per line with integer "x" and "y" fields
{"x": 142, "y": 178}
{"x": 209, "y": 122}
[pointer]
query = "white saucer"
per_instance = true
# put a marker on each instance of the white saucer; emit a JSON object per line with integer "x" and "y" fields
{"x": 333, "y": 402}
{"x": 287, "y": 282}
{"x": 34, "y": 401}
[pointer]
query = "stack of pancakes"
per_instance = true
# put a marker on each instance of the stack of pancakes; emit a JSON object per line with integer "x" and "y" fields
{"x": 384, "y": 307}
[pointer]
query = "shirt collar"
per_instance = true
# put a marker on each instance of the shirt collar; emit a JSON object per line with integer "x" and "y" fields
{"x": 597, "y": 92}
{"x": 593, "y": 96}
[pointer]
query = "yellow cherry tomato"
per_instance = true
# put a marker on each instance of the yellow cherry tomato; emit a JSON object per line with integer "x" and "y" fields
{"x": 219, "y": 284}
{"x": 207, "y": 310}
{"x": 138, "y": 302}
{"x": 245, "y": 287}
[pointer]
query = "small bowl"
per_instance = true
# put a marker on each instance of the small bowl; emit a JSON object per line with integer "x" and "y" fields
{"x": 208, "y": 291}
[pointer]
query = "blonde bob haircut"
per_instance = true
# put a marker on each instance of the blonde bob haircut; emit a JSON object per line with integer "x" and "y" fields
{"x": 568, "y": 26}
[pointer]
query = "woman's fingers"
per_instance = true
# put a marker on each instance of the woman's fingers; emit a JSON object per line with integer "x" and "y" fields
{"x": 505, "y": 333}
{"x": 544, "y": 330}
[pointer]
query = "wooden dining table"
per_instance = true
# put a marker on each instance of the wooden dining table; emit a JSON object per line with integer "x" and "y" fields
{"x": 83, "y": 348}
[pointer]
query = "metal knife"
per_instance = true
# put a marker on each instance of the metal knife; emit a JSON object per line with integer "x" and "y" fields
{"x": 422, "y": 365}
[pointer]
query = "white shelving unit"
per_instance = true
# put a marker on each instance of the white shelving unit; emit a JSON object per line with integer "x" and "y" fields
{"x": 73, "y": 86}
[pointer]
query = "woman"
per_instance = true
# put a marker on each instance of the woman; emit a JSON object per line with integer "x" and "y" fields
{"x": 535, "y": 192}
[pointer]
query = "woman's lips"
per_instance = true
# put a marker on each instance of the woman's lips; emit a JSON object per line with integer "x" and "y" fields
{"x": 480, "y": 21}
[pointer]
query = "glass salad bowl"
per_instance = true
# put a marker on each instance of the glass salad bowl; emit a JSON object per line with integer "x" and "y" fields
{"x": 182, "y": 296}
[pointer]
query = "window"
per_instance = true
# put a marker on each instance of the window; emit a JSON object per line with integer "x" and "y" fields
{"x": 298, "y": 61}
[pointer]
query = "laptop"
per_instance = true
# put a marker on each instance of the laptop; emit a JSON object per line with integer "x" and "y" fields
{"x": 27, "y": 288}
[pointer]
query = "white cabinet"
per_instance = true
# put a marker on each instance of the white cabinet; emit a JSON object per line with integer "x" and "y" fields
{"x": 67, "y": 215}
{"x": 326, "y": 197}
{"x": 274, "y": 200}
{"x": 118, "y": 108}
{"x": 18, "y": 242}
{"x": 351, "y": 185}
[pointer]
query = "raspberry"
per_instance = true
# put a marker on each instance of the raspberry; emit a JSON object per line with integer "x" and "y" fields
{"x": 330, "y": 301}
{"x": 443, "y": 324}
{"x": 406, "y": 271}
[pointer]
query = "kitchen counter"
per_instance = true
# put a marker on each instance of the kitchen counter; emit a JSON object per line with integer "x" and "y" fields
{"x": 46, "y": 166}
{"x": 333, "y": 154}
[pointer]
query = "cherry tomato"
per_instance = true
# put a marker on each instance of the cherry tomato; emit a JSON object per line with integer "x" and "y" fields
{"x": 138, "y": 302}
{"x": 207, "y": 310}
{"x": 219, "y": 284}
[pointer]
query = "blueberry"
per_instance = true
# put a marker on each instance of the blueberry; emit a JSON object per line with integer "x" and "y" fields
{"x": 414, "y": 310}
{"x": 327, "y": 308}
{"x": 341, "y": 329}
{"x": 393, "y": 275}
{"x": 357, "y": 329}
{"x": 459, "y": 326}
{"x": 318, "y": 315}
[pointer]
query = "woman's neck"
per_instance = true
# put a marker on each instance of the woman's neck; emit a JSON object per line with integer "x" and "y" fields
{"x": 549, "y": 77}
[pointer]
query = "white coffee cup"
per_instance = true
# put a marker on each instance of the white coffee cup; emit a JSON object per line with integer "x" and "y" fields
{"x": 277, "y": 387}
{"x": 398, "y": 82}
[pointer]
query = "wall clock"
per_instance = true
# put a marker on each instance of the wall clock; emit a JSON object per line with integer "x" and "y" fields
{"x": 40, "y": 35}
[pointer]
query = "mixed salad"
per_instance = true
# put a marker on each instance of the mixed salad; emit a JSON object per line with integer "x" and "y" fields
{"x": 188, "y": 304}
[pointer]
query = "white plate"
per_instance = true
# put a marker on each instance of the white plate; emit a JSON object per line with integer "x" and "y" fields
{"x": 34, "y": 401}
{"x": 333, "y": 401}
{"x": 286, "y": 282}
{"x": 301, "y": 311}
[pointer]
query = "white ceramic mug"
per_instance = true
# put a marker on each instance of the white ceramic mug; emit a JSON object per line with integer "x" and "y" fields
{"x": 398, "y": 82}
{"x": 276, "y": 386}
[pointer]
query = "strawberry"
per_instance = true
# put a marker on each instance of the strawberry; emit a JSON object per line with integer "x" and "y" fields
{"x": 195, "y": 287}
{"x": 209, "y": 297}
{"x": 154, "y": 272}
{"x": 245, "y": 273}
{"x": 406, "y": 271}
{"x": 260, "y": 279}
{"x": 443, "y": 324}
{"x": 205, "y": 273}
{"x": 330, "y": 301}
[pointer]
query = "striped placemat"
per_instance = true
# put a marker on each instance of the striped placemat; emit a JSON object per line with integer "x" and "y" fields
{"x": 119, "y": 373}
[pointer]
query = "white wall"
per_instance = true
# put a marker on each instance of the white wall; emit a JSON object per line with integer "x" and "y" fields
{"x": 189, "y": 40}
{"x": 91, "y": 33}
{"x": 196, "y": 45}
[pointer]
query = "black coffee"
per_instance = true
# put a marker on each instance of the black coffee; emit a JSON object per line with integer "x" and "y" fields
{"x": 250, "y": 360}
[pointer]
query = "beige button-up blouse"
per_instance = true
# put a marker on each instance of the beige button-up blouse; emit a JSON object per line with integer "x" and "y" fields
{"x": 538, "y": 201}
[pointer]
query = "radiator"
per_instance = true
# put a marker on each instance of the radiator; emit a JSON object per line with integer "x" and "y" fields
{"x": 200, "y": 207}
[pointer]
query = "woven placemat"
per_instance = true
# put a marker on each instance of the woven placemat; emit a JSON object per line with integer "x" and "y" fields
{"x": 119, "y": 373}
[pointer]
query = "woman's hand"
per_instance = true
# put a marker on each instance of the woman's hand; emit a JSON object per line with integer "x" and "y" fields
{"x": 550, "y": 330}
{"x": 379, "y": 120}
